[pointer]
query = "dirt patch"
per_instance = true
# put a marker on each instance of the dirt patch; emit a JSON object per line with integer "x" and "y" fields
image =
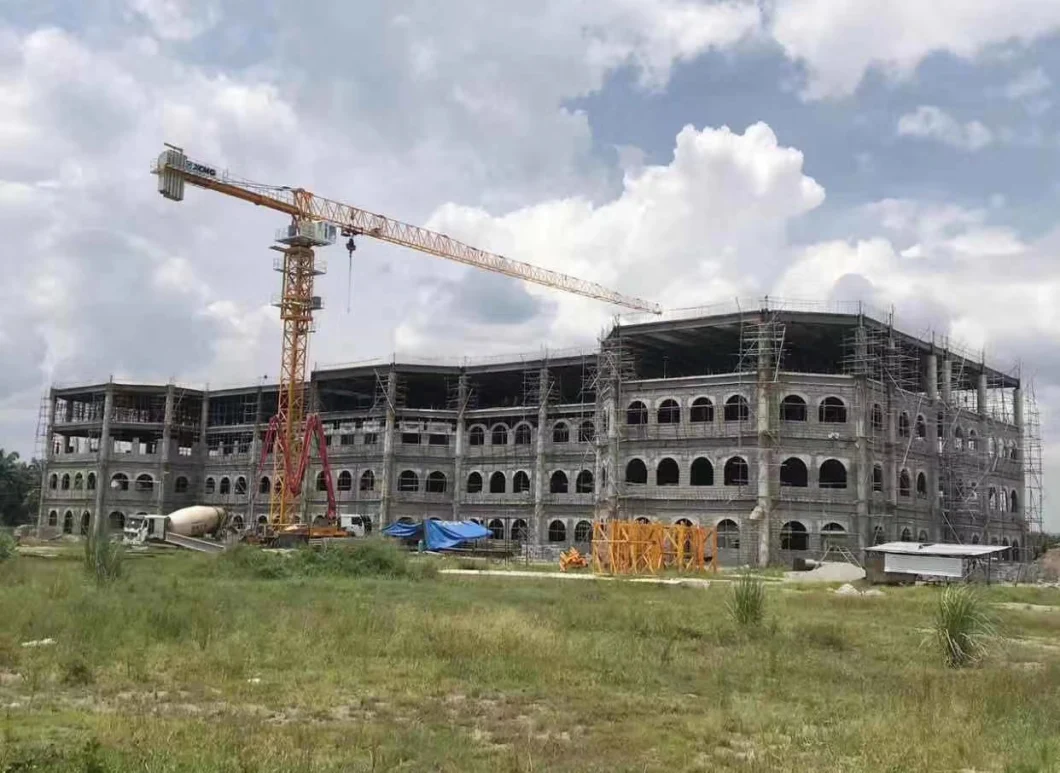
{"x": 1051, "y": 565}
{"x": 1027, "y": 607}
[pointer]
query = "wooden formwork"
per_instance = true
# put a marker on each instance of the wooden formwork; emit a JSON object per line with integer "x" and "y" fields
{"x": 630, "y": 547}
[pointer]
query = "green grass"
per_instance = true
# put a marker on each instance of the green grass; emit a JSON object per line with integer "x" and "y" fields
{"x": 191, "y": 663}
{"x": 747, "y": 600}
{"x": 963, "y": 626}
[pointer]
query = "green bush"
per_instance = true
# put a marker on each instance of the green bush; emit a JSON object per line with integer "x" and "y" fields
{"x": 963, "y": 626}
{"x": 373, "y": 557}
{"x": 747, "y": 600}
{"x": 103, "y": 559}
{"x": 77, "y": 672}
{"x": 7, "y": 546}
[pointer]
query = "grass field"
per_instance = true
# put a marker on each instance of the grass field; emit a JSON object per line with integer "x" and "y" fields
{"x": 192, "y": 663}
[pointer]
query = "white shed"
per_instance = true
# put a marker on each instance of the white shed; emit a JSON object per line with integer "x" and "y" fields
{"x": 936, "y": 559}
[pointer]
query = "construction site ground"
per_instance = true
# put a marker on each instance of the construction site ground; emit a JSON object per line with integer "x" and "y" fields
{"x": 185, "y": 664}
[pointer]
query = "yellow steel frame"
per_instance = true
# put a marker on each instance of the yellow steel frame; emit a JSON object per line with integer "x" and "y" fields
{"x": 630, "y": 547}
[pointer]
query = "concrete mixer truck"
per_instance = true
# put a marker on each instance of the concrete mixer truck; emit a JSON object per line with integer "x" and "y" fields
{"x": 184, "y": 528}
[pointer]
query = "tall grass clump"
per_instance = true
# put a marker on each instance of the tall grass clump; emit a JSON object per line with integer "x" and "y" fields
{"x": 963, "y": 626}
{"x": 372, "y": 557}
{"x": 7, "y": 546}
{"x": 103, "y": 559}
{"x": 747, "y": 600}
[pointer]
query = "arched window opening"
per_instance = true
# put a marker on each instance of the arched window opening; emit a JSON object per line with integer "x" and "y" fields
{"x": 79, "y": 482}
{"x": 144, "y": 482}
{"x": 210, "y": 485}
{"x": 86, "y": 521}
{"x": 832, "y": 474}
{"x": 793, "y": 473}
{"x": 264, "y": 484}
{"x": 793, "y": 536}
{"x": 737, "y": 409}
{"x": 728, "y": 535}
{"x": 921, "y": 485}
{"x": 973, "y": 440}
{"x": 561, "y": 433}
{"x": 642, "y": 519}
{"x": 408, "y": 481}
{"x": 907, "y": 535}
{"x": 90, "y": 482}
{"x": 667, "y": 473}
{"x": 637, "y": 413}
{"x": 702, "y": 473}
{"x": 519, "y": 530}
{"x": 367, "y": 481}
{"x": 474, "y": 483}
{"x": 1003, "y": 502}
{"x": 65, "y": 483}
{"x": 583, "y": 531}
{"x": 498, "y": 483}
{"x": 476, "y": 436}
{"x": 1015, "y": 550}
{"x": 702, "y": 410}
{"x": 583, "y": 484}
{"x": 436, "y": 482}
{"x": 975, "y": 538}
{"x": 832, "y": 411}
{"x": 496, "y": 527}
{"x": 53, "y": 517}
{"x": 241, "y": 485}
{"x": 119, "y": 481}
{"x": 958, "y": 439}
{"x": 53, "y": 483}
{"x": 226, "y": 485}
{"x": 669, "y": 412}
{"x": 117, "y": 521}
{"x": 557, "y": 531}
{"x": 922, "y": 536}
{"x": 68, "y": 523}
{"x": 586, "y": 432}
{"x": 877, "y": 477}
{"x": 903, "y": 483}
{"x": 878, "y": 535}
{"x": 833, "y": 528}
{"x": 499, "y": 435}
{"x": 522, "y": 435}
{"x": 793, "y": 408}
{"x": 520, "y": 482}
{"x": 345, "y": 481}
{"x": 736, "y": 472}
{"x": 320, "y": 484}
{"x": 1013, "y": 502}
{"x": 180, "y": 485}
{"x": 877, "y": 418}
{"x": 903, "y": 424}
{"x": 636, "y": 472}
{"x": 557, "y": 483}
{"x": 683, "y": 522}
{"x": 1004, "y": 541}
{"x": 991, "y": 499}
{"x": 921, "y": 428}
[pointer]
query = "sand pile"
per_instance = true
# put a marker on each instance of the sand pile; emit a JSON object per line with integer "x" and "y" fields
{"x": 829, "y": 571}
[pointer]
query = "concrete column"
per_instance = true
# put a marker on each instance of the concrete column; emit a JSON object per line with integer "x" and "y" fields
{"x": 164, "y": 456}
{"x": 980, "y": 397}
{"x": 98, "y": 525}
{"x": 947, "y": 381}
{"x": 609, "y": 510}
{"x": 254, "y": 471}
{"x": 204, "y": 422}
{"x": 458, "y": 451}
{"x": 764, "y": 420}
{"x": 386, "y": 475}
{"x": 931, "y": 377}
{"x": 49, "y": 456}
{"x": 538, "y": 527}
{"x": 1017, "y": 408}
{"x": 864, "y": 466}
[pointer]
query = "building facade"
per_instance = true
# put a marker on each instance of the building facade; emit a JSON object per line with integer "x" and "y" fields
{"x": 788, "y": 431}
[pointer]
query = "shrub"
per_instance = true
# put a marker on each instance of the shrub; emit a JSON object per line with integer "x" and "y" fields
{"x": 963, "y": 626}
{"x": 7, "y": 546}
{"x": 103, "y": 559}
{"x": 373, "y": 557}
{"x": 747, "y": 600}
{"x": 77, "y": 672}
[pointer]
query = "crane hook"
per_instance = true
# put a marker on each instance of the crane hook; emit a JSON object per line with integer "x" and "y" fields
{"x": 351, "y": 246}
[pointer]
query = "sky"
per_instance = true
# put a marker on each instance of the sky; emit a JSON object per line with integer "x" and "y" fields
{"x": 901, "y": 153}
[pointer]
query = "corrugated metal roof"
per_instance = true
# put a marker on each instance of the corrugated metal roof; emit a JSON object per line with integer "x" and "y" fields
{"x": 937, "y": 549}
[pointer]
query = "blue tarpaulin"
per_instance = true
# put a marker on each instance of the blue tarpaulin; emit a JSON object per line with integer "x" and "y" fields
{"x": 439, "y": 535}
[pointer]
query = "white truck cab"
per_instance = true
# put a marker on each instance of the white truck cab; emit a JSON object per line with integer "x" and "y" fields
{"x": 355, "y": 524}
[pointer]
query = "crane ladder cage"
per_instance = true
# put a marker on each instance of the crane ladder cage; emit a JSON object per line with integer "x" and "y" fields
{"x": 631, "y": 547}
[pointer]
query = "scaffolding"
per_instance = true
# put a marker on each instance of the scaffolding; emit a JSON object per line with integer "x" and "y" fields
{"x": 634, "y": 547}
{"x": 1032, "y": 469}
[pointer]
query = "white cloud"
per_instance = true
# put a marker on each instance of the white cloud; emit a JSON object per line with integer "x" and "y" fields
{"x": 929, "y": 122}
{"x": 839, "y": 41}
{"x": 178, "y": 20}
{"x": 1029, "y": 83}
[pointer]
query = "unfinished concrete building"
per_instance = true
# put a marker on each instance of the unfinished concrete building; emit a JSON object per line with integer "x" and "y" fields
{"x": 788, "y": 430}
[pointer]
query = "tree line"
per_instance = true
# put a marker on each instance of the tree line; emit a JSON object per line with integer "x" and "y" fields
{"x": 19, "y": 489}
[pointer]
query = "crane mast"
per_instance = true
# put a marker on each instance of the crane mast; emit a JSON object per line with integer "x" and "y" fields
{"x": 315, "y": 222}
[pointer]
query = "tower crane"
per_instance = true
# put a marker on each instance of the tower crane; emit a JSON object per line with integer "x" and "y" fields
{"x": 316, "y": 222}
